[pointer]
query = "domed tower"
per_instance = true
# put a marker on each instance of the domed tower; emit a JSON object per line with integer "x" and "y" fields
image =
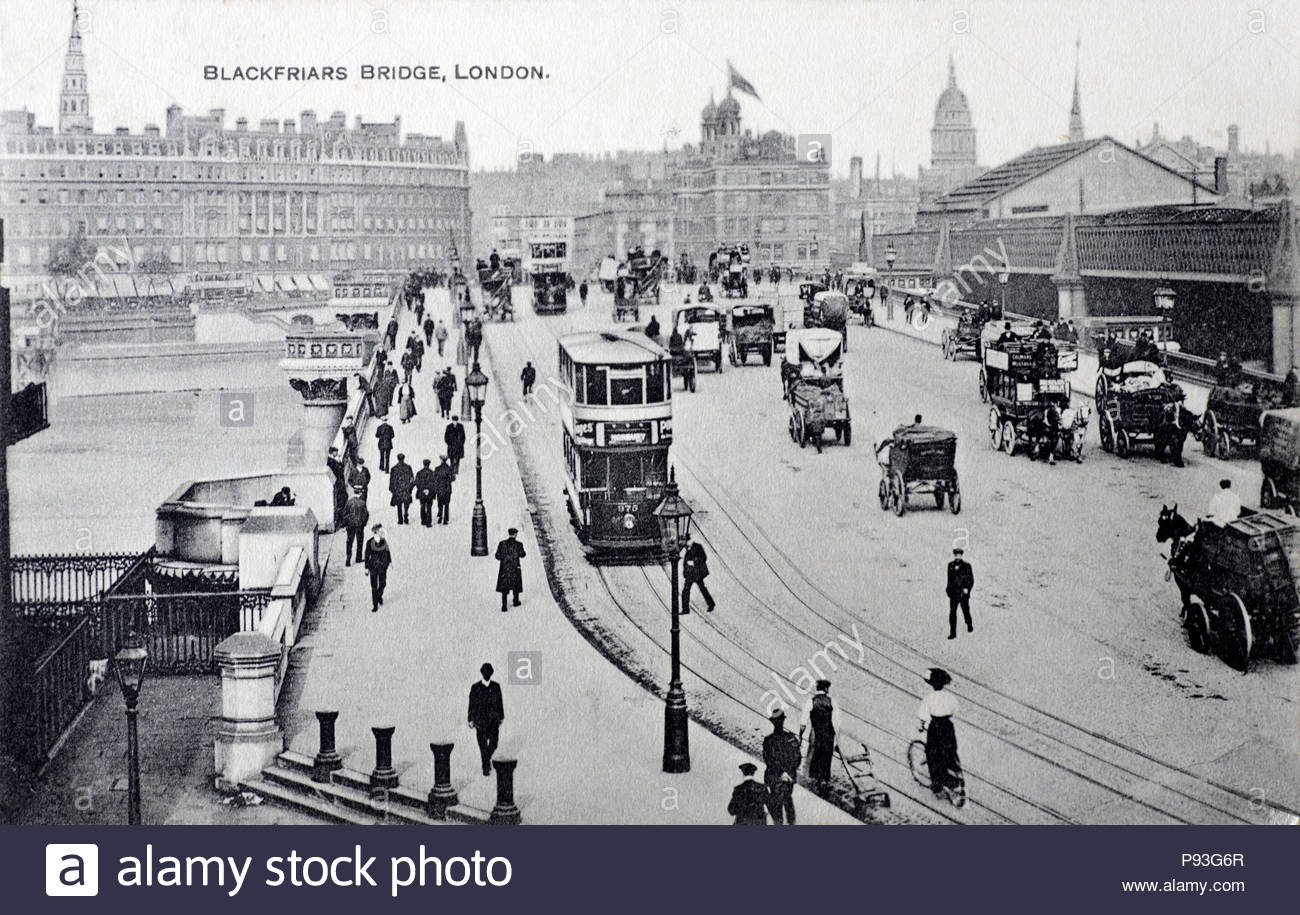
{"x": 952, "y": 139}
{"x": 709, "y": 120}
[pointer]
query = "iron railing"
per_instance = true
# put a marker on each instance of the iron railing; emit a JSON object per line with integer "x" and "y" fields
{"x": 58, "y": 689}
{"x": 68, "y": 577}
{"x": 180, "y": 631}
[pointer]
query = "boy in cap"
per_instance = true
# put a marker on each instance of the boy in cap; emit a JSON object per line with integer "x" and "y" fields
{"x": 781, "y": 758}
{"x": 378, "y": 559}
{"x": 961, "y": 580}
{"x": 748, "y": 799}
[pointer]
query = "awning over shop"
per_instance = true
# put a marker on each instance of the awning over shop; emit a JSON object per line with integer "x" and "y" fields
{"x": 265, "y": 282}
{"x": 300, "y": 280}
{"x": 123, "y": 287}
{"x": 319, "y": 283}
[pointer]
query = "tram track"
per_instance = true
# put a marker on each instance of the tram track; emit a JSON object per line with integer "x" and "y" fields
{"x": 1101, "y": 763}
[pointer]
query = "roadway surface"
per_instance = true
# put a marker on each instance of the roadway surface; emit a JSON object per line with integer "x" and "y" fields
{"x": 1081, "y": 700}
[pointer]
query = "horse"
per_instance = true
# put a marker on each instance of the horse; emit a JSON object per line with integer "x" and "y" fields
{"x": 1177, "y": 423}
{"x": 1072, "y": 432}
{"x": 1181, "y": 535}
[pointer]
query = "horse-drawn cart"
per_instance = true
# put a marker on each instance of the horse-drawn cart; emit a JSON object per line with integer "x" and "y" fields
{"x": 813, "y": 375}
{"x": 1141, "y": 407}
{"x": 922, "y": 459}
{"x": 751, "y": 329}
{"x": 1233, "y": 415}
{"x": 964, "y": 338}
{"x": 1024, "y": 380}
{"x": 1238, "y": 584}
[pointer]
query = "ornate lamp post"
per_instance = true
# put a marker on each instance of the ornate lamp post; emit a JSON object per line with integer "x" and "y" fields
{"x": 674, "y": 516}
{"x": 1004, "y": 277}
{"x": 891, "y": 255}
{"x": 476, "y": 385}
{"x": 130, "y": 664}
{"x": 1164, "y": 302}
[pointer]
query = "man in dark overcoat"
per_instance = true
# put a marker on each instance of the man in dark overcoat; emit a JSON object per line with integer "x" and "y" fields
{"x": 486, "y": 712}
{"x": 454, "y": 438}
{"x": 748, "y": 799}
{"x": 781, "y": 758}
{"x": 384, "y": 437}
{"x": 378, "y": 559}
{"x": 961, "y": 581}
{"x": 401, "y": 481}
{"x": 424, "y": 481}
{"x": 510, "y": 573}
{"x": 442, "y": 480}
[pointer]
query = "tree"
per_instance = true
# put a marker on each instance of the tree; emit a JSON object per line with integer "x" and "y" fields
{"x": 70, "y": 256}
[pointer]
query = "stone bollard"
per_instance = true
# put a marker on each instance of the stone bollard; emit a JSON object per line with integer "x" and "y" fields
{"x": 505, "y": 813}
{"x": 328, "y": 759}
{"x": 248, "y": 738}
{"x": 384, "y": 776}
{"x": 443, "y": 794}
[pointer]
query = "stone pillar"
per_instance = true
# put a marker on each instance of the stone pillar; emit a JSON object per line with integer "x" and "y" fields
{"x": 505, "y": 813}
{"x": 327, "y": 759}
{"x": 1071, "y": 303}
{"x": 384, "y": 775}
{"x": 325, "y": 403}
{"x": 248, "y": 738}
{"x": 1284, "y": 294}
{"x": 443, "y": 794}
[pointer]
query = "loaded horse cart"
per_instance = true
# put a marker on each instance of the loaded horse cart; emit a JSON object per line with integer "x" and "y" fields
{"x": 495, "y": 286}
{"x": 1234, "y": 415}
{"x": 965, "y": 337}
{"x": 813, "y": 375}
{"x": 922, "y": 459}
{"x": 1239, "y": 584}
{"x": 639, "y": 286}
{"x": 1025, "y": 381}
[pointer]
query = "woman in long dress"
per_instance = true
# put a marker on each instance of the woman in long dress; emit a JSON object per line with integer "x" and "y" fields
{"x": 406, "y": 402}
{"x": 936, "y": 713}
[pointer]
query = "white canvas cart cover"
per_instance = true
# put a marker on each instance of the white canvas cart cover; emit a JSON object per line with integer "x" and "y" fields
{"x": 815, "y": 345}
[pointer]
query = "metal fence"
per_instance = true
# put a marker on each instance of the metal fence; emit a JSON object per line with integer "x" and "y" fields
{"x": 180, "y": 631}
{"x": 68, "y": 577}
{"x": 59, "y": 688}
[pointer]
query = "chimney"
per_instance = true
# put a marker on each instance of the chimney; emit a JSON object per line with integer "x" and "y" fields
{"x": 241, "y": 124}
{"x": 338, "y": 119}
{"x": 218, "y": 115}
{"x": 358, "y": 122}
{"x": 268, "y": 125}
{"x": 1234, "y": 137}
{"x": 1220, "y": 174}
{"x": 174, "y": 115}
{"x": 122, "y": 132}
{"x": 855, "y": 177}
{"x": 151, "y": 131}
{"x": 288, "y": 125}
{"x": 308, "y": 122}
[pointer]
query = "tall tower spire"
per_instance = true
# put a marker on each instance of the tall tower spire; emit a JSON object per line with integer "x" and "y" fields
{"x": 952, "y": 73}
{"x": 1076, "y": 115}
{"x": 74, "y": 101}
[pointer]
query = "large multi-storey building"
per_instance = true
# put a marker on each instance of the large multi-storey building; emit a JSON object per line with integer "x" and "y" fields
{"x": 736, "y": 188}
{"x": 281, "y": 204}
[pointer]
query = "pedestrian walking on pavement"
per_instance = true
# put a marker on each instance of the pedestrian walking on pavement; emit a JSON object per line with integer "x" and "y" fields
{"x": 781, "y": 756}
{"x": 390, "y": 335}
{"x": 822, "y": 719}
{"x": 419, "y": 310}
{"x": 367, "y": 395}
{"x": 417, "y": 347}
{"x": 401, "y": 482}
{"x": 454, "y": 438}
{"x": 486, "y": 712}
{"x": 360, "y": 477}
{"x": 424, "y": 482}
{"x": 350, "y": 446}
{"x": 748, "y": 799}
{"x": 961, "y": 581}
{"x": 446, "y": 388}
{"x": 428, "y": 331}
{"x": 510, "y": 573}
{"x": 378, "y": 559}
{"x": 335, "y": 465}
{"x": 385, "y": 388}
{"x": 408, "y": 364}
{"x": 355, "y": 516}
{"x": 440, "y": 334}
{"x": 528, "y": 376}
{"x": 406, "y": 402}
{"x": 582, "y": 293}
{"x": 442, "y": 480}
{"x": 384, "y": 436}
{"x": 695, "y": 568}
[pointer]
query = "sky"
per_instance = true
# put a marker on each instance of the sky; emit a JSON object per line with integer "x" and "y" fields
{"x": 634, "y": 75}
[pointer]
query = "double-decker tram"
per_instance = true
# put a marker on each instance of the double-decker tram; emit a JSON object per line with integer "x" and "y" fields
{"x": 617, "y": 415}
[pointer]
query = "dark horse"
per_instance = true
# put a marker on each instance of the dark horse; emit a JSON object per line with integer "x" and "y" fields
{"x": 1044, "y": 433}
{"x": 1177, "y": 422}
{"x": 1174, "y": 528}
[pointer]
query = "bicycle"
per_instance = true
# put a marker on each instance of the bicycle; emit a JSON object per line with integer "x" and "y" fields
{"x": 954, "y": 793}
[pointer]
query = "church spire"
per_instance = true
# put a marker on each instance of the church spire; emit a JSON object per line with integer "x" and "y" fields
{"x": 74, "y": 100}
{"x": 1076, "y": 114}
{"x": 952, "y": 73}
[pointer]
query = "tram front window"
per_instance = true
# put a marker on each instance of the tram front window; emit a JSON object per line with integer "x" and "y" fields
{"x": 627, "y": 392}
{"x": 656, "y": 382}
{"x": 595, "y": 385}
{"x": 634, "y": 473}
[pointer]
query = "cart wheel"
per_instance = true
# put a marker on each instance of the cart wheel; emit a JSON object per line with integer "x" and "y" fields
{"x": 1237, "y": 640}
{"x": 690, "y": 381}
{"x": 943, "y": 344}
{"x": 794, "y": 436}
{"x": 1225, "y": 445}
{"x": 848, "y": 433}
{"x": 719, "y": 359}
{"x": 1009, "y": 437}
{"x": 1122, "y": 443}
{"x": 995, "y": 438}
{"x": 984, "y": 387}
{"x": 1099, "y": 392}
{"x": 938, "y": 498}
{"x": 735, "y": 359}
{"x": 1197, "y": 622}
{"x": 898, "y": 491}
{"x": 1267, "y": 493}
{"x": 802, "y": 430}
{"x": 954, "y": 501}
{"x": 1210, "y": 434}
{"x": 884, "y": 494}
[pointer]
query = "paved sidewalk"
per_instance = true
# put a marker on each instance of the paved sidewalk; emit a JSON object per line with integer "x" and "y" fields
{"x": 588, "y": 739}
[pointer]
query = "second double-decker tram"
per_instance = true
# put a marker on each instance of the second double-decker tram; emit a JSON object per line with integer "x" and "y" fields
{"x": 618, "y": 426}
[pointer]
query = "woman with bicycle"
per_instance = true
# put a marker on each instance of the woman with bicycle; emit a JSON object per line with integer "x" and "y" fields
{"x": 936, "y": 712}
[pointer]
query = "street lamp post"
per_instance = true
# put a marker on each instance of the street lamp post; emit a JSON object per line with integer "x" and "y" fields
{"x": 891, "y": 255}
{"x": 1164, "y": 301}
{"x": 130, "y": 666}
{"x": 476, "y": 384}
{"x": 1004, "y": 277}
{"x": 674, "y": 517}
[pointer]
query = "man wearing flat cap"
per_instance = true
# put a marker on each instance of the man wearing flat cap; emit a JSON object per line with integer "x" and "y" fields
{"x": 510, "y": 572}
{"x": 748, "y": 799}
{"x": 378, "y": 559}
{"x": 961, "y": 580}
{"x": 781, "y": 760}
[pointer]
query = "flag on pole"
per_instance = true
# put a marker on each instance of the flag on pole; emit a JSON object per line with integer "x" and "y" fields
{"x": 739, "y": 82}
